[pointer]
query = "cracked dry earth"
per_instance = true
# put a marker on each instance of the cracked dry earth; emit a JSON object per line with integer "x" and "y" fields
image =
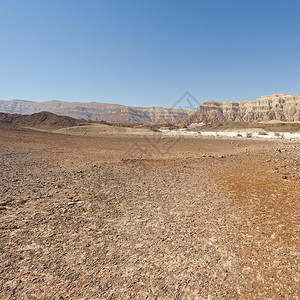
{"x": 82, "y": 218}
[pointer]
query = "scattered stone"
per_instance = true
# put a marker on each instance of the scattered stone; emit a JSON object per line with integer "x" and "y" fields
{"x": 74, "y": 202}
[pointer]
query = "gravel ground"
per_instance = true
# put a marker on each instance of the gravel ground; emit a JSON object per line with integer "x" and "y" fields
{"x": 129, "y": 218}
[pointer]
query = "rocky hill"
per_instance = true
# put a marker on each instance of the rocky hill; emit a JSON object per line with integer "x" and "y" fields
{"x": 42, "y": 119}
{"x": 112, "y": 113}
{"x": 279, "y": 107}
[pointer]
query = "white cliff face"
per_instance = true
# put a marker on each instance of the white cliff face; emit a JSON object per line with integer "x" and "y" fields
{"x": 280, "y": 107}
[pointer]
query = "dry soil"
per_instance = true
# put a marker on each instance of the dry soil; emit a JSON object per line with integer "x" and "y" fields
{"x": 114, "y": 217}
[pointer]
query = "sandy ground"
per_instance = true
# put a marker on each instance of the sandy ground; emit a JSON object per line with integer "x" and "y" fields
{"x": 113, "y": 217}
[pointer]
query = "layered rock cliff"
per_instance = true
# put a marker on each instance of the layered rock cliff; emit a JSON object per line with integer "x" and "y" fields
{"x": 279, "y": 107}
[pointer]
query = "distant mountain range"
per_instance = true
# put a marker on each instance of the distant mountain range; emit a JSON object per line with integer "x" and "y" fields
{"x": 113, "y": 113}
{"x": 281, "y": 107}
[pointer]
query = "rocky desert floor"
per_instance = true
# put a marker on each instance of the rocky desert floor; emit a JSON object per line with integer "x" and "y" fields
{"x": 112, "y": 217}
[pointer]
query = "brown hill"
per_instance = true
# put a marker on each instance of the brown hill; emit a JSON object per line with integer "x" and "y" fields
{"x": 39, "y": 120}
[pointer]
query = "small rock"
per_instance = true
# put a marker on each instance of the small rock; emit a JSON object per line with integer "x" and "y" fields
{"x": 74, "y": 202}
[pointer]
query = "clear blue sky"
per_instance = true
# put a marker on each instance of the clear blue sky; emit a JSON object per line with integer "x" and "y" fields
{"x": 146, "y": 53}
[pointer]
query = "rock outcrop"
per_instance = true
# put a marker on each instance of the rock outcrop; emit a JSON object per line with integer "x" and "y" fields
{"x": 279, "y": 107}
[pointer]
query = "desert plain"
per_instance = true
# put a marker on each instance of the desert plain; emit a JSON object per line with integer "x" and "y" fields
{"x": 118, "y": 216}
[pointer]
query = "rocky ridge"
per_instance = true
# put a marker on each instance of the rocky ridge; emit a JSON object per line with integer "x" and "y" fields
{"x": 42, "y": 119}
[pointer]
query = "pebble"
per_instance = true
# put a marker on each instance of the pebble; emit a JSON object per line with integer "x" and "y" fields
{"x": 74, "y": 202}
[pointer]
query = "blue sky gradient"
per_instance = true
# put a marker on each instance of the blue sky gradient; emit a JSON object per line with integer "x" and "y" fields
{"x": 148, "y": 53}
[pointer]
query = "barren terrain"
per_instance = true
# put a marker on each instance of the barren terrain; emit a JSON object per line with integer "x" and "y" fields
{"x": 129, "y": 217}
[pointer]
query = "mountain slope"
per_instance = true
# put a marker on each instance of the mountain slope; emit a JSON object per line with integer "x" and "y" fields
{"x": 42, "y": 119}
{"x": 113, "y": 113}
{"x": 279, "y": 107}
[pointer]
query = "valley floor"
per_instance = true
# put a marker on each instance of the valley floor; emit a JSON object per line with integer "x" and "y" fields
{"x": 114, "y": 217}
